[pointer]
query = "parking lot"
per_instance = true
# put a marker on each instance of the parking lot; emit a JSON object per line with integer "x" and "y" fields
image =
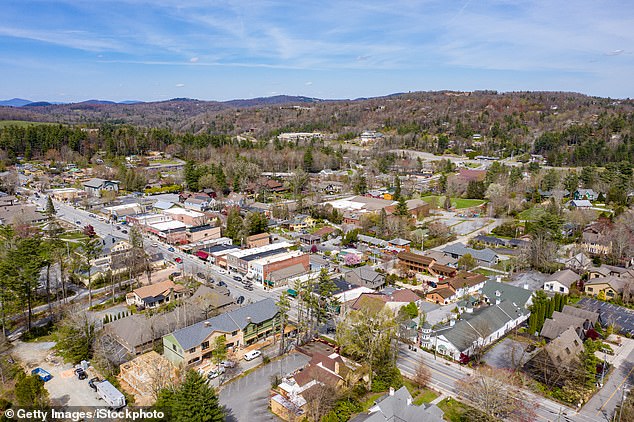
{"x": 64, "y": 388}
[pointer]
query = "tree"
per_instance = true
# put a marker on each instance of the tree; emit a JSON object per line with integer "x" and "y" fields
{"x": 220, "y": 349}
{"x": 50, "y": 208}
{"x": 234, "y": 225}
{"x": 194, "y": 400}
{"x": 256, "y": 223}
{"x": 475, "y": 189}
{"x": 283, "y": 305}
{"x": 359, "y": 184}
{"x": 447, "y": 203}
{"x": 89, "y": 230}
{"x": 76, "y": 335}
{"x": 351, "y": 260}
{"x": 191, "y": 176}
{"x": 422, "y": 375}
{"x": 320, "y": 399}
{"x": 308, "y": 159}
{"x": 498, "y": 394}
{"x": 401, "y": 208}
{"x": 90, "y": 249}
{"x": 409, "y": 311}
{"x": 467, "y": 262}
{"x": 30, "y": 392}
{"x": 397, "y": 188}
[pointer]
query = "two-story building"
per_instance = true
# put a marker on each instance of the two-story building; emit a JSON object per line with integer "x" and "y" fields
{"x": 95, "y": 186}
{"x": 240, "y": 327}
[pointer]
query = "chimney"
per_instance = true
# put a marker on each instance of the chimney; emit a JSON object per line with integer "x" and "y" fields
{"x": 497, "y": 300}
{"x": 207, "y": 324}
{"x": 391, "y": 391}
{"x": 525, "y": 286}
{"x": 452, "y": 322}
{"x": 498, "y": 279}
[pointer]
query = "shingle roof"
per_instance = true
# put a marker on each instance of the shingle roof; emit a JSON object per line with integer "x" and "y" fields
{"x": 507, "y": 292}
{"x": 581, "y": 313}
{"x": 157, "y": 289}
{"x": 485, "y": 255}
{"x": 565, "y": 277}
{"x": 399, "y": 407}
{"x": 559, "y": 323}
{"x": 445, "y": 292}
{"x": 238, "y": 319}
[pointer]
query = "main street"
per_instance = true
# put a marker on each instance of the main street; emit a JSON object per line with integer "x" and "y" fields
{"x": 445, "y": 375}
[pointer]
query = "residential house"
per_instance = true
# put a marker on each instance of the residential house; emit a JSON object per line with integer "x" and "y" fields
{"x": 160, "y": 206}
{"x": 197, "y": 204}
{"x": 580, "y": 204}
{"x": 485, "y": 257}
{"x": 309, "y": 239}
{"x": 240, "y": 327}
{"x": 609, "y": 270}
{"x": 612, "y": 286}
{"x": 444, "y": 296}
{"x": 561, "y": 281}
{"x": 66, "y": 194}
{"x": 557, "y": 359}
{"x": 398, "y": 406}
{"x": 155, "y": 295}
{"x": 595, "y": 242}
{"x": 399, "y": 244}
{"x": 579, "y": 263}
{"x": 365, "y": 276}
{"x": 580, "y": 320}
{"x": 587, "y": 194}
{"x": 21, "y": 214}
{"x": 95, "y": 186}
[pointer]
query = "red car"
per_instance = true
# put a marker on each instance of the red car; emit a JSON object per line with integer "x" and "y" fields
{"x": 178, "y": 260}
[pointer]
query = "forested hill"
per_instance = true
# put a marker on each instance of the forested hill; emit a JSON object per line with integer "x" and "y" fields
{"x": 567, "y": 128}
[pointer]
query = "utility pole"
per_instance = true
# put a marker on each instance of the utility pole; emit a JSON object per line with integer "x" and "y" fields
{"x": 622, "y": 400}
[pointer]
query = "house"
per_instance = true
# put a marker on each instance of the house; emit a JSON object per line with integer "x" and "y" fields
{"x": 365, "y": 276}
{"x": 241, "y": 327}
{"x": 491, "y": 241}
{"x": 580, "y": 204}
{"x": 257, "y": 240}
{"x": 561, "y": 281}
{"x": 156, "y": 294}
{"x": 579, "y": 319}
{"x": 587, "y": 194}
{"x": 139, "y": 376}
{"x": 595, "y": 242}
{"x": 95, "y": 186}
{"x": 609, "y": 270}
{"x": 465, "y": 283}
{"x": 197, "y": 204}
{"x": 372, "y": 241}
{"x": 611, "y": 286}
{"x": 485, "y": 257}
{"x": 160, "y": 206}
{"x": 558, "y": 358}
{"x": 442, "y": 296}
{"x": 579, "y": 263}
{"x": 399, "y": 244}
{"x": 398, "y": 406}
{"x": 21, "y": 214}
{"x": 309, "y": 239}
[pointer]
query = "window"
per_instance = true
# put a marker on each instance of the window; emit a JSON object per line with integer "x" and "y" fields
{"x": 576, "y": 343}
{"x": 567, "y": 351}
{"x": 558, "y": 359}
{"x": 589, "y": 289}
{"x": 174, "y": 347}
{"x": 561, "y": 289}
{"x": 204, "y": 345}
{"x": 192, "y": 350}
{"x": 235, "y": 333}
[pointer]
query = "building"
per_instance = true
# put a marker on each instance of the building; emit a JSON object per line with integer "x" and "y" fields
{"x": 188, "y": 217}
{"x": 398, "y": 406}
{"x": 122, "y": 212}
{"x": 21, "y": 215}
{"x": 579, "y": 263}
{"x": 587, "y": 194}
{"x": 257, "y": 240}
{"x": 239, "y": 261}
{"x": 410, "y": 261}
{"x": 611, "y": 286}
{"x": 95, "y": 186}
{"x": 485, "y": 257}
{"x": 142, "y": 374}
{"x": 595, "y": 242}
{"x": 557, "y": 359}
{"x": 67, "y": 194}
{"x": 580, "y": 204}
{"x": 202, "y": 233}
{"x": 365, "y": 276}
{"x": 609, "y": 270}
{"x": 241, "y": 327}
{"x": 580, "y": 320}
{"x": 156, "y": 294}
{"x": 561, "y": 281}
{"x": 260, "y": 269}
{"x": 197, "y": 204}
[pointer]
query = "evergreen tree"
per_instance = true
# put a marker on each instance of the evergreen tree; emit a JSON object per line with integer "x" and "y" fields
{"x": 234, "y": 225}
{"x": 397, "y": 188}
{"x": 401, "y": 208}
{"x": 308, "y": 160}
{"x": 191, "y": 176}
{"x": 193, "y": 401}
{"x": 50, "y": 208}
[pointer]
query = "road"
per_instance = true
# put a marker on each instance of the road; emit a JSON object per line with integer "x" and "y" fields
{"x": 445, "y": 375}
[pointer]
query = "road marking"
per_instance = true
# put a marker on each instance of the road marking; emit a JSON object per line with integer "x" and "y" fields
{"x": 614, "y": 392}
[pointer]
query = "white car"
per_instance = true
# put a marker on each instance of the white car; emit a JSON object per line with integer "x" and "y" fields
{"x": 221, "y": 271}
{"x": 252, "y": 355}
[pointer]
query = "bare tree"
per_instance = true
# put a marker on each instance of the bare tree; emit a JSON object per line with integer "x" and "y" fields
{"x": 422, "y": 375}
{"x": 319, "y": 401}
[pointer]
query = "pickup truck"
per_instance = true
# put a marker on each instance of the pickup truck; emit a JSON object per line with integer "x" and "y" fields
{"x": 43, "y": 374}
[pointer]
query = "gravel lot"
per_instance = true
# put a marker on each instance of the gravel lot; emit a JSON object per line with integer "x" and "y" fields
{"x": 500, "y": 356}
{"x": 64, "y": 388}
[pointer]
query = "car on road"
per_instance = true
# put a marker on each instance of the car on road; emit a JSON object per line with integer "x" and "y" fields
{"x": 240, "y": 300}
{"x": 200, "y": 275}
{"x": 178, "y": 259}
{"x": 92, "y": 216}
{"x": 222, "y": 283}
{"x": 93, "y": 383}
{"x": 252, "y": 355}
{"x": 221, "y": 271}
{"x": 228, "y": 364}
{"x": 171, "y": 249}
{"x": 77, "y": 222}
{"x": 175, "y": 274}
{"x": 216, "y": 372}
{"x": 124, "y": 231}
{"x": 237, "y": 278}
{"x": 118, "y": 227}
{"x": 81, "y": 374}
{"x": 249, "y": 287}
{"x": 155, "y": 245}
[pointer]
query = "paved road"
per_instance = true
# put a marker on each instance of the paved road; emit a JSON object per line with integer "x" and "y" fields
{"x": 445, "y": 374}
{"x": 247, "y": 398}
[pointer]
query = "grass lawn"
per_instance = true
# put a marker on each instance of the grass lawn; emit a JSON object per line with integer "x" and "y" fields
{"x": 458, "y": 203}
{"x": 74, "y": 236}
{"x": 425, "y": 396}
{"x": 486, "y": 272}
{"x": 531, "y": 214}
{"x": 454, "y": 410}
{"x": 369, "y": 401}
{"x": 22, "y": 123}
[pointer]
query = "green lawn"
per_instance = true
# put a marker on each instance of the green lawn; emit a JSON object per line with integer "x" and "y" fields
{"x": 458, "y": 203}
{"x": 531, "y": 214}
{"x": 486, "y": 272}
{"x": 454, "y": 410}
{"x": 22, "y": 123}
{"x": 425, "y": 396}
{"x": 369, "y": 402}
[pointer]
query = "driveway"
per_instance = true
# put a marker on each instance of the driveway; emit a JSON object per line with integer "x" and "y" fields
{"x": 247, "y": 398}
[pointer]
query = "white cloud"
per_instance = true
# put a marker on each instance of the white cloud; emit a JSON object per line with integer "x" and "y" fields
{"x": 180, "y": 85}
{"x": 309, "y": 83}
{"x": 194, "y": 60}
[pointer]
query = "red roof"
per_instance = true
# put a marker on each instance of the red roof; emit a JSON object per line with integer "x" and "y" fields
{"x": 202, "y": 254}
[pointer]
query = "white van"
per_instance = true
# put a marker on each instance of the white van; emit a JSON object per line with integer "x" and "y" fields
{"x": 252, "y": 355}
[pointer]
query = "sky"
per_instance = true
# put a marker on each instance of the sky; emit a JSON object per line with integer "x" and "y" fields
{"x": 149, "y": 50}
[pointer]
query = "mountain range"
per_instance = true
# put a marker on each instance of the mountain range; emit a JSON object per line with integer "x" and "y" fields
{"x": 21, "y": 102}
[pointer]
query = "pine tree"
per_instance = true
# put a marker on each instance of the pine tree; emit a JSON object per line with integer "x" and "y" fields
{"x": 401, "y": 208}
{"x": 194, "y": 400}
{"x": 397, "y": 188}
{"x": 50, "y": 208}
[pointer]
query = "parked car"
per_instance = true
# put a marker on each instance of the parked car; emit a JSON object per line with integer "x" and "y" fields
{"x": 200, "y": 275}
{"x": 81, "y": 374}
{"x": 92, "y": 216}
{"x": 249, "y": 287}
{"x": 237, "y": 278}
{"x": 240, "y": 300}
{"x": 178, "y": 259}
{"x": 118, "y": 227}
{"x": 221, "y": 271}
{"x": 154, "y": 245}
{"x": 77, "y": 222}
{"x": 175, "y": 274}
{"x": 222, "y": 284}
{"x": 124, "y": 231}
{"x": 93, "y": 383}
{"x": 252, "y": 354}
{"x": 228, "y": 364}
{"x": 216, "y": 372}
{"x": 171, "y": 249}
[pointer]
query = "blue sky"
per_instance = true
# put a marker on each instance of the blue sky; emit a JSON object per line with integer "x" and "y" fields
{"x": 73, "y": 50}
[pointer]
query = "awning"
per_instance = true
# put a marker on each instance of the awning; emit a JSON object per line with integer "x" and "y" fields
{"x": 202, "y": 255}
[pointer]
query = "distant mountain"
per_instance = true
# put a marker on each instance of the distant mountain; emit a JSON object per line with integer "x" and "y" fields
{"x": 97, "y": 102}
{"x": 264, "y": 101}
{"x": 131, "y": 102}
{"x": 15, "y": 102}
{"x": 37, "y": 104}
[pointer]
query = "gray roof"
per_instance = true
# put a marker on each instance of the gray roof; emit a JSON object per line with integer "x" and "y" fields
{"x": 163, "y": 205}
{"x": 399, "y": 242}
{"x": 481, "y": 324}
{"x": 288, "y": 272}
{"x": 95, "y": 183}
{"x": 237, "y": 319}
{"x": 509, "y": 293}
{"x": 372, "y": 240}
{"x": 581, "y": 313}
{"x": 399, "y": 407}
{"x": 565, "y": 277}
{"x": 459, "y": 249}
{"x": 559, "y": 323}
{"x": 365, "y": 275}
